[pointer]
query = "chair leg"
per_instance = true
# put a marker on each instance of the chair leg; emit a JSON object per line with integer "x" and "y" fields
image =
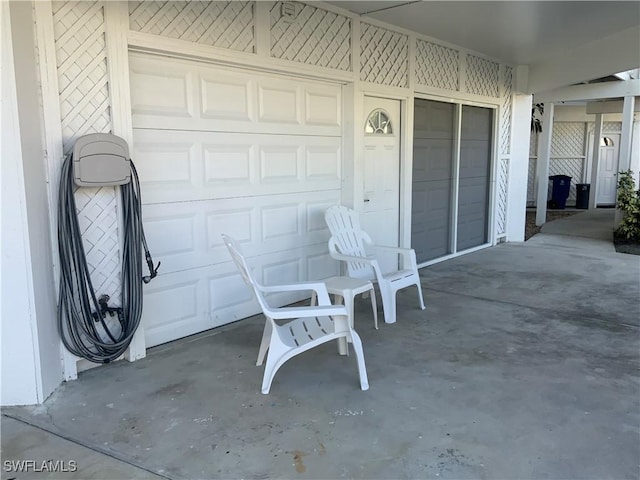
{"x": 269, "y": 373}
{"x": 264, "y": 344}
{"x": 343, "y": 346}
{"x": 362, "y": 369}
{"x": 420, "y": 294}
{"x": 388, "y": 303}
{"x": 278, "y": 355}
{"x": 374, "y": 307}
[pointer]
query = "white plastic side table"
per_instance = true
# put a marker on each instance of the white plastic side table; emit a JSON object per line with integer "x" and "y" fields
{"x": 347, "y": 288}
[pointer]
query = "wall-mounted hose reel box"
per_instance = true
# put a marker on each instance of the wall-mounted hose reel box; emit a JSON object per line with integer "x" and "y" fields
{"x": 101, "y": 159}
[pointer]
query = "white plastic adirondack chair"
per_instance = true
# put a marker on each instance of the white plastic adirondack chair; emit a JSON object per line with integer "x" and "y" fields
{"x": 354, "y": 246}
{"x": 308, "y": 326}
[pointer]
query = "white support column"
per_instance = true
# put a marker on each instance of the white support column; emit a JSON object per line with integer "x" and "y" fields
{"x": 625, "y": 138}
{"x": 595, "y": 161}
{"x": 542, "y": 165}
{"x": 519, "y": 167}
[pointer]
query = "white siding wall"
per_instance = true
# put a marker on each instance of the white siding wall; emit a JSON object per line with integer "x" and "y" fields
{"x": 83, "y": 50}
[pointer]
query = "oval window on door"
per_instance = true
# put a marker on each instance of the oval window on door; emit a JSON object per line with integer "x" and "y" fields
{"x": 378, "y": 123}
{"x": 606, "y": 142}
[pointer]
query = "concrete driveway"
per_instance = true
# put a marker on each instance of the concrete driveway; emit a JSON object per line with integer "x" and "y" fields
{"x": 523, "y": 366}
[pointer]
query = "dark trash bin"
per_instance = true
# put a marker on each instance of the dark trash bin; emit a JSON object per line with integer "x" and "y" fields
{"x": 582, "y": 195}
{"x": 560, "y": 191}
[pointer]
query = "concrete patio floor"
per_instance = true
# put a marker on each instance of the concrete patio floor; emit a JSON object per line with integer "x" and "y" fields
{"x": 523, "y": 366}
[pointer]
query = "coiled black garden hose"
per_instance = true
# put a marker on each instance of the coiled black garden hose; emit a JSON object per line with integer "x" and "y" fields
{"x": 82, "y": 316}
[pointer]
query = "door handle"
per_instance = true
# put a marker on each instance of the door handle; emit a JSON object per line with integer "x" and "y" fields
{"x": 366, "y": 200}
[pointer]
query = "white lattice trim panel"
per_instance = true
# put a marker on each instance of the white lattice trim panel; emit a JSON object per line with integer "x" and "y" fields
{"x": 81, "y": 61}
{"x": 384, "y": 56}
{"x": 502, "y": 194}
{"x": 219, "y": 24}
{"x": 505, "y": 114}
{"x": 611, "y": 127}
{"x": 567, "y": 139}
{"x": 531, "y": 182}
{"x": 482, "y": 77}
{"x": 314, "y": 36}
{"x": 437, "y": 66}
{"x": 533, "y": 144}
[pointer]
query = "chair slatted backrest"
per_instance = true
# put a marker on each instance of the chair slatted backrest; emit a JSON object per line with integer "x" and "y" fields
{"x": 245, "y": 271}
{"x": 348, "y": 238}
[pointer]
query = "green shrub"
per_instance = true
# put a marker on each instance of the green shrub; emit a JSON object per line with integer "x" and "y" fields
{"x": 629, "y": 204}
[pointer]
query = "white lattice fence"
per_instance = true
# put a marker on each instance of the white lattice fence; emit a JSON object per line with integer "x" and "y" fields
{"x": 567, "y": 139}
{"x": 220, "y": 24}
{"x": 316, "y": 36}
{"x": 502, "y": 195}
{"x": 437, "y": 66}
{"x": 532, "y": 194}
{"x": 607, "y": 127}
{"x": 611, "y": 126}
{"x": 81, "y": 62}
{"x": 505, "y": 114}
{"x": 384, "y": 56}
{"x": 483, "y": 77}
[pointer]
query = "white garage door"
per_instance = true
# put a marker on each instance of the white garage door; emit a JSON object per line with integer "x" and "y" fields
{"x": 218, "y": 150}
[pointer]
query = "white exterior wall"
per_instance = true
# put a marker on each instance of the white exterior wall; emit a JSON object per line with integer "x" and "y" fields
{"x": 83, "y": 55}
{"x": 31, "y": 367}
{"x": 19, "y": 374}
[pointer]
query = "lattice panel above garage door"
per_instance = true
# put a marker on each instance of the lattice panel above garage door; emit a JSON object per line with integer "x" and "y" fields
{"x": 505, "y": 114}
{"x": 220, "y": 24}
{"x": 437, "y": 66}
{"x": 81, "y": 61}
{"x": 383, "y": 57}
{"x": 482, "y": 76}
{"x": 315, "y": 37}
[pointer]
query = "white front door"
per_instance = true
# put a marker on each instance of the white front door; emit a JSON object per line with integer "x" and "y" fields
{"x": 607, "y": 176}
{"x": 381, "y": 209}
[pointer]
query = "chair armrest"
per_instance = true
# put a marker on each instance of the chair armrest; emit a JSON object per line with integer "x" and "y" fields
{"x": 319, "y": 287}
{"x": 283, "y": 313}
{"x": 408, "y": 254}
{"x": 370, "y": 259}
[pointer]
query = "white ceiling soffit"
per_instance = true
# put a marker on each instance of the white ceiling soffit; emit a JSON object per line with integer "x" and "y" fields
{"x": 523, "y": 32}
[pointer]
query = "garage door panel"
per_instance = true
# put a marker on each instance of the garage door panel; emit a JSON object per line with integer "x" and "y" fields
{"x": 184, "y": 95}
{"x": 280, "y": 164}
{"x": 167, "y": 93}
{"x": 278, "y": 103}
{"x": 182, "y": 166}
{"x": 227, "y": 98}
{"x": 187, "y": 235}
{"x": 188, "y": 302}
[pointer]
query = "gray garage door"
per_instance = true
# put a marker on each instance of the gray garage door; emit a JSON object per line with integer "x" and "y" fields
{"x": 450, "y": 196}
